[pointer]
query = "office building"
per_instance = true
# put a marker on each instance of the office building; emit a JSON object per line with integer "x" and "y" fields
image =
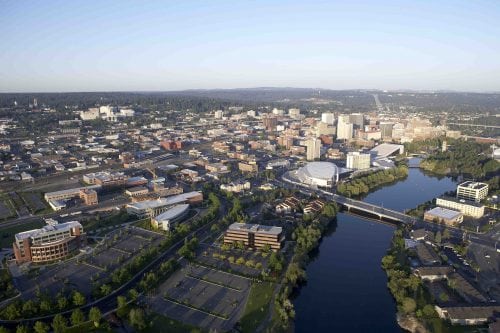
{"x": 270, "y": 122}
{"x": 89, "y": 196}
{"x": 50, "y": 243}
{"x": 328, "y": 118}
{"x": 357, "y": 119}
{"x": 170, "y": 218}
{"x": 313, "y": 149}
{"x": 255, "y": 235}
{"x": 466, "y": 207}
{"x": 386, "y": 129}
{"x": 474, "y": 191}
{"x": 218, "y": 114}
{"x": 152, "y": 208}
{"x": 294, "y": 113}
{"x": 358, "y": 161}
{"x": 344, "y": 128}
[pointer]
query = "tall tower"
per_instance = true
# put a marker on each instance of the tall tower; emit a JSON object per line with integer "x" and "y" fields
{"x": 313, "y": 149}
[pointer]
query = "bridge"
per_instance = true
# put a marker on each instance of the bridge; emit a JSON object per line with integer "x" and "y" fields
{"x": 352, "y": 205}
{"x": 374, "y": 211}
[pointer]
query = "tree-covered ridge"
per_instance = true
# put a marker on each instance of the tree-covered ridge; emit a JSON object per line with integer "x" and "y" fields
{"x": 463, "y": 157}
{"x": 364, "y": 184}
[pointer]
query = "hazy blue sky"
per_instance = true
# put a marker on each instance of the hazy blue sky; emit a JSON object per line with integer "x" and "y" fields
{"x": 73, "y": 45}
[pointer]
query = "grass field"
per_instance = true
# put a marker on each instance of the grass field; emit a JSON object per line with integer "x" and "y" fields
{"x": 257, "y": 306}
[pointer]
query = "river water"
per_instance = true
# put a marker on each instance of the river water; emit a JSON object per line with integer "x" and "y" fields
{"x": 346, "y": 287}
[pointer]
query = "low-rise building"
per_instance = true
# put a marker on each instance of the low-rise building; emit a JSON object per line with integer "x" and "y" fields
{"x": 468, "y": 315}
{"x": 236, "y": 187}
{"x": 50, "y": 243}
{"x": 474, "y": 191}
{"x": 89, "y": 197}
{"x": 248, "y": 167}
{"x": 314, "y": 207}
{"x": 426, "y": 254}
{"x": 136, "y": 191}
{"x": 443, "y": 215}
{"x": 152, "y": 208}
{"x": 466, "y": 207}
{"x": 255, "y": 235}
{"x": 433, "y": 273}
{"x": 168, "y": 220}
{"x": 290, "y": 204}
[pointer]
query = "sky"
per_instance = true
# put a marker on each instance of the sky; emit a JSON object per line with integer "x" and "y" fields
{"x": 56, "y": 46}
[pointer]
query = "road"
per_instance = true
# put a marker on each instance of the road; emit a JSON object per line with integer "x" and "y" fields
{"x": 489, "y": 239}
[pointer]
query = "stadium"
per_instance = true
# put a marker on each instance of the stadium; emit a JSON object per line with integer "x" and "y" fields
{"x": 320, "y": 174}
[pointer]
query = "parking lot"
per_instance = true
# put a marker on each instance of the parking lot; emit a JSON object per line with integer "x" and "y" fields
{"x": 203, "y": 297}
{"x": 119, "y": 248}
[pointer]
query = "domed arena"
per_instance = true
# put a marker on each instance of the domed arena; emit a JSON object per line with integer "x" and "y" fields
{"x": 321, "y": 174}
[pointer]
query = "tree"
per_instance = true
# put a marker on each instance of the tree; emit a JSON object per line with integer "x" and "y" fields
{"x": 428, "y": 311}
{"x": 59, "y": 323}
{"x": 136, "y": 317}
{"x": 22, "y": 329}
{"x": 41, "y": 327}
{"x": 78, "y": 299}
{"x": 122, "y": 306}
{"x": 437, "y": 237}
{"x": 446, "y": 234}
{"x": 409, "y": 305}
{"x": 62, "y": 302}
{"x": 77, "y": 317}
{"x": 444, "y": 297}
{"x": 29, "y": 308}
{"x": 95, "y": 316}
{"x": 12, "y": 311}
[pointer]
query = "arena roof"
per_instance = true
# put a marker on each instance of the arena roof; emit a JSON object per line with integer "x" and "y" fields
{"x": 319, "y": 170}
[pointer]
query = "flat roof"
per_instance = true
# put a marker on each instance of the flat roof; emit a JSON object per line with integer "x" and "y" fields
{"x": 473, "y": 185}
{"x": 256, "y": 228}
{"x": 142, "y": 205}
{"x": 444, "y": 213}
{"x": 47, "y": 228}
{"x": 72, "y": 190}
{"x": 461, "y": 201}
{"x": 469, "y": 312}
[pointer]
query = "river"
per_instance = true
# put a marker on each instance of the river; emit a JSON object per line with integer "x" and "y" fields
{"x": 346, "y": 287}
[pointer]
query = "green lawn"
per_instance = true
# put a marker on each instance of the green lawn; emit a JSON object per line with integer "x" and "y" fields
{"x": 88, "y": 326}
{"x": 7, "y": 234}
{"x": 161, "y": 323}
{"x": 257, "y": 306}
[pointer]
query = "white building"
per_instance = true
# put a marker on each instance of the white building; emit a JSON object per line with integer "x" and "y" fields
{"x": 328, "y": 118}
{"x": 344, "y": 128}
{"x": 466, "y": 207}
{"x": 294, "y": 113}
{"x": 358, "y": 161}
{"x": 218, "y": 114}
{"x": 236, "y": 187}
{"x": 168, "y": 219}
{"x": 313, "y": 149}
{"x": 474, "y": 191}
{"x": 320, "y": 174}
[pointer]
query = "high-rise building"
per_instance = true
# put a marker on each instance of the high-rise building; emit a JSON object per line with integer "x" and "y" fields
{"x": 218, "y": 114}
{"x": 358, "y": 161}
{"x": 344, "y": 128}
{"x": 328, "y": 118}
{"x": 313, "y": 149}
{"x": 35, "y": 102}
{"x": 386, "y": 129}
{"x": 357, "y": 119}
{"x": 270, "y": 122}
{"x": 294, "y": 113}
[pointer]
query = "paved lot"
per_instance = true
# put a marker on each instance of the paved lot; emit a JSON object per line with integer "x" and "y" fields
{"x": 193, "y": 289}
{"x": 120, "y": 248}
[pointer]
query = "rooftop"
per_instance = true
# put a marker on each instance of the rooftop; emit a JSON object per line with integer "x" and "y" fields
{"x": 48, "y": 228}
{"x": 176, "y": 199}
{"x": 461, "y": 201}
{"x": 444, "y": 213}
{"x": 256, "y": 228}
{"x": 473, "y": 185}
{"x": 172, "y": 213}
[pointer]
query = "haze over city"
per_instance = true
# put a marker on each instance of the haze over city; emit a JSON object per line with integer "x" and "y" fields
{"x": 52, "y": 46}
{"x": 249, "y": 166}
